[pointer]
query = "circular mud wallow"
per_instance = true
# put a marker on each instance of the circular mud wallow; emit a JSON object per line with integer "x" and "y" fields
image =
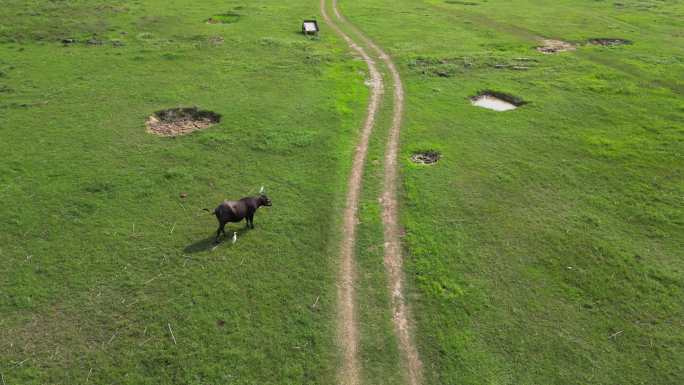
{"x": 497, "y": 101}
{"x": 180, "y": 121}
{"x": 550, "y": 46}
{"x": 608, "y": 42}
{"x": 426, "y": 157}
{"x": 224, "y": 18}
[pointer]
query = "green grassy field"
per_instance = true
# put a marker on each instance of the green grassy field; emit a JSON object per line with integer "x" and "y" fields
{"x": 544, "y": 248}
{"x": 100, "y": 254}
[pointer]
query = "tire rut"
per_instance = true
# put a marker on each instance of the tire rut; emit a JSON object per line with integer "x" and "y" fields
{"x": 347, "y": 329}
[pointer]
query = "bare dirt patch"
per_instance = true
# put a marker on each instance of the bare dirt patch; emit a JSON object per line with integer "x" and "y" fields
{"x": 609, "y": 42}
{"x": 180, "y": 121}
{"x": 551, "y": 46}
{"x": 426, "y": 157}
{"x": 497, "y": 101}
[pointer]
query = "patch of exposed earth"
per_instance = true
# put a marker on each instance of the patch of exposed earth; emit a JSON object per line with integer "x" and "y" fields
{"x": 551, "y": 46}
{"x": 180, "y": 121}
{"x": 426, "y": 157}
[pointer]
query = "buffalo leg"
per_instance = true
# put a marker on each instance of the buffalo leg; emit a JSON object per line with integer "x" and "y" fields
{"x": 250, "y": 221}
{"x": 220, "y": 230}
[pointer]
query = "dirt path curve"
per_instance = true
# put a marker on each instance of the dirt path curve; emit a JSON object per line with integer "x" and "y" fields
{"x": 393, "y": 258}
{"x": 347, "y": 329}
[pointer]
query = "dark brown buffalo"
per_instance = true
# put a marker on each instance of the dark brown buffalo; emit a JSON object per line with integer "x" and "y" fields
{"x": 236, "y": 211}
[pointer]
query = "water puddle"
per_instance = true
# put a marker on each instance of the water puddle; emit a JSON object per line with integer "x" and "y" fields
{"x": 493, "y": 103}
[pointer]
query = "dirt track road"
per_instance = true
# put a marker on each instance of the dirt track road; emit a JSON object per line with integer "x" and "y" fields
{"x": 347, "y": 330}
{"x": 393, "y": 259}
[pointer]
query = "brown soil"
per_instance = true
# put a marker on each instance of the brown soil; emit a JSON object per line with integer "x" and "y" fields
{"x": 348, "y": 333}
{"x": 180, "y": 121}
{"x": 427, "y": 157}
{"x": 550, "y": 46}
{"x": 609, "y": 42}
{"x": 393, "y": 258}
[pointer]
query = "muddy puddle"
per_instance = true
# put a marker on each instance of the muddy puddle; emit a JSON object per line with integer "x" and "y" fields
{"x": 492, "y": 103}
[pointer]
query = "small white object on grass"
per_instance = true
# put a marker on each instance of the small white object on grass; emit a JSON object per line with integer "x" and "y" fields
{"x": 615, "y": 334}
{"x": 234, "y": 237}
{"x": 172, "y": 336}
{"x": 261, "y": 190}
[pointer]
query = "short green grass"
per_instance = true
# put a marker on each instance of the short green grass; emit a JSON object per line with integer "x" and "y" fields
{"x": 225, "y": 18}
{"x": 101, "y": 258}
{"x": 545, "y": 247}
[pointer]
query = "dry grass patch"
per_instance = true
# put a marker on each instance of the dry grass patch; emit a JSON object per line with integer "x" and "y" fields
{"x": 551, "y": 46}
{"x": 180, "y": 121}
{"x": 426, "y": 157}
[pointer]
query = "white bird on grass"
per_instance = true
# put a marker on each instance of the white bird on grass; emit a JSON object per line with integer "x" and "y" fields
{"x": 234, "y": 237}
